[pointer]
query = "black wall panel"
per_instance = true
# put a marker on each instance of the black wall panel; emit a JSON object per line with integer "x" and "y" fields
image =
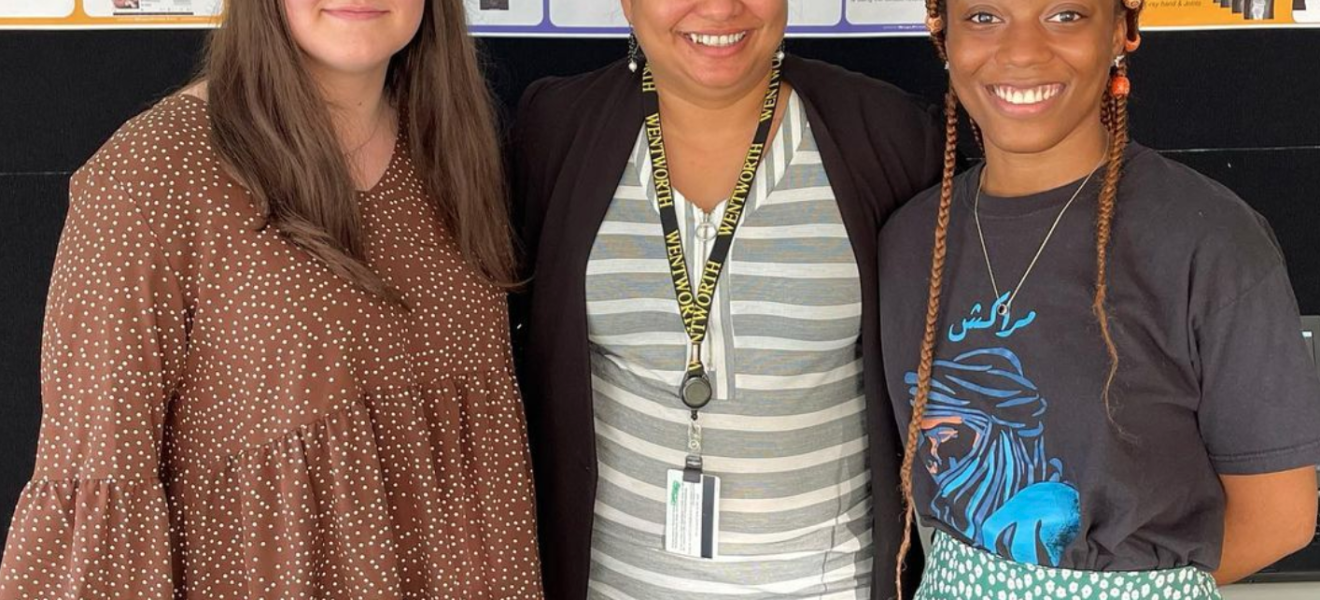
{"x": 1241, "y": 106}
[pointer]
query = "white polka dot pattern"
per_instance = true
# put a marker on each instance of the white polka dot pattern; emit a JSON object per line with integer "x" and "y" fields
{"x": 957, "y": 571}
{"x": 226, "y": 419}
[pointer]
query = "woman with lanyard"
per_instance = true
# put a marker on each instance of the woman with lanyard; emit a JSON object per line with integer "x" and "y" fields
{"x": 276, "y": 360}
{"x": 699, "y": 343}
{"x": 1108, "y": 396}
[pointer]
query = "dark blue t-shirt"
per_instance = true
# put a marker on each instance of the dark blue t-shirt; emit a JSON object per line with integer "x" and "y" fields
{"x": 1018, "y": 453}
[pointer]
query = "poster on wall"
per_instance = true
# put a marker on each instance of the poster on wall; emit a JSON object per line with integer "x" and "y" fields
{"x": 566, "y": 18}
{"x": 605, "y": 17}
{"x": 109, "y": 13}
{"x": 1209, "y": 14}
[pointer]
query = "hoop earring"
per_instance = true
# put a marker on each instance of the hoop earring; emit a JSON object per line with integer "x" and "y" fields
{"x": 1132, "y": 44}
{"x": 634, "y": 51}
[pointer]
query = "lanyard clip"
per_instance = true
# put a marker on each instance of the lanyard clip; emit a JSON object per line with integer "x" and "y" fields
{"x": 694, "y": 356}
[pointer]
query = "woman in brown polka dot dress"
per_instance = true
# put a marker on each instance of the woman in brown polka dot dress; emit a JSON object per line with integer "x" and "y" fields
{"x": 285, "y": 388}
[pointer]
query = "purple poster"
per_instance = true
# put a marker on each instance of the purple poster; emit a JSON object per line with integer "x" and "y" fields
{"x": 605, "y": 17}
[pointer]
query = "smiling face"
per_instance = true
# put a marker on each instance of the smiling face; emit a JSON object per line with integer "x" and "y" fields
{"x": 709, "y": 46}
{"x": 1032, "y": 73}
{"x": 352, "y": 36}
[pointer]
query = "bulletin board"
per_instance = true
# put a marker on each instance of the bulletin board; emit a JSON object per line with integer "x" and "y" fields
{"x": 604, "y": 18}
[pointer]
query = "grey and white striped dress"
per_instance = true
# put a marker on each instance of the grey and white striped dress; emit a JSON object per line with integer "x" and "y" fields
{"x": 786, "y": 431}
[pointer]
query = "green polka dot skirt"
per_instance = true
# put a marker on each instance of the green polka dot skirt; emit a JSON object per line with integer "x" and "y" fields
{"x": 956, "y": 571}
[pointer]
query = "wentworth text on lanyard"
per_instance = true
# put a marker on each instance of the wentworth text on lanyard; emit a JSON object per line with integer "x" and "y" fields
{"x": 694, "y": 303}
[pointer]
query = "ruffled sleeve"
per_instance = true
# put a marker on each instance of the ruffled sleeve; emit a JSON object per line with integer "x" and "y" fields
{"x": 93, "y": 522}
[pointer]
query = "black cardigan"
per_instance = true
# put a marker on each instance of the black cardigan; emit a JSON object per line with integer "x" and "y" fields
{"x": 569, "y": 147}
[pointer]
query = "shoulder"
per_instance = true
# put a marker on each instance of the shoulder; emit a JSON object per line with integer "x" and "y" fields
{"x": 1162, "y": 196}
{"x": 1191, "y": 223}
{"x": 160, "y": 165}
{"x": 1152, "y": 180}
{"x": 166, "y": 144}
{"x": 555, "y": 99}
{"x": 839, "y": 93}
{"x": 835, "y": 85}
{"x": 912, "y": 226}
{"x": 889, "y": 139}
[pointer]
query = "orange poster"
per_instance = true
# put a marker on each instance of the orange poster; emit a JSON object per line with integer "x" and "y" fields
{"x": 39, "y": 14}
{"x": 1227, "y": 13}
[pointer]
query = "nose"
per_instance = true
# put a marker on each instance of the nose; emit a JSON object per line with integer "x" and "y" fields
{"x": 719, "y": 10}
{"x": 1024, "y": 44}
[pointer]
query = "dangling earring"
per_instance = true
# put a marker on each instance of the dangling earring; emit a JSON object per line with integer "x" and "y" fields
{"x": 1120, "y": 86}
{"x": 781, "y": 53}
{"x": 633, "y": 48}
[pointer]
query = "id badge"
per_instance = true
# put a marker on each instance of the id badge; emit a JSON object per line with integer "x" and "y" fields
{"x": 692, "y": 516}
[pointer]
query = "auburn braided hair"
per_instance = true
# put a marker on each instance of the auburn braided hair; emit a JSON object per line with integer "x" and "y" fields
{"x": 1114, "y": 116}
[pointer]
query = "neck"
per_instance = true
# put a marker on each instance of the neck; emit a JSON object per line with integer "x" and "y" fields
{"x": 713, "y": 114}
{"x": 357, "y": 104}
{"x": 1011, "y": 174}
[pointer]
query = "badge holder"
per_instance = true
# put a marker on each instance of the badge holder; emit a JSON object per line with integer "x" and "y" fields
{"x": 692, "y": 500}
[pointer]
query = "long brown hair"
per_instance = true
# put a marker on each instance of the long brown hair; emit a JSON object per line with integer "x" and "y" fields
{"x": 272, "y": 129}
{"x": 1113, "y": 114}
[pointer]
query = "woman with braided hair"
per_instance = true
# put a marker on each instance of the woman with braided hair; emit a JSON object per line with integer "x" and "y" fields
{"x": 1108, "y": 395}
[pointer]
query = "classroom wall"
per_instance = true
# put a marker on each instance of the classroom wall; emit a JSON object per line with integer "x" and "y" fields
{"x": 1240, "y": 106}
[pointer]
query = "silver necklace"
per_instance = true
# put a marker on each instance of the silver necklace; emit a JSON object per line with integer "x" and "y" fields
{"x": 1005, "y": 307}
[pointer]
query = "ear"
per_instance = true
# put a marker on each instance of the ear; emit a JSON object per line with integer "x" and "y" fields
{"x": 627, "y": 10}
{"x": 1118, "y": 46}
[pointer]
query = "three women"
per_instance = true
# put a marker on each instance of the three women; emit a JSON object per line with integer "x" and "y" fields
{"x": 701, "y": 338}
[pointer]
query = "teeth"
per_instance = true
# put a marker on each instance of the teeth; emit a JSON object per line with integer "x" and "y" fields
{"x": 716, "y": 41}
{"x": 1029, "y": 96}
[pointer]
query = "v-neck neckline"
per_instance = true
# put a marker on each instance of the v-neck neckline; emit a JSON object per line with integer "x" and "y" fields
{"x": 778, "y": 157}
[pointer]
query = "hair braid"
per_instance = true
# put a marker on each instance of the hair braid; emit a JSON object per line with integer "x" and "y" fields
{"x": 1117, "y": 124}
{"x": 932, "y": 323}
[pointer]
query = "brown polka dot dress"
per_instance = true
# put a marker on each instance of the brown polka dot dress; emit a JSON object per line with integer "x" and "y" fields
{"x": 226, "y": 419}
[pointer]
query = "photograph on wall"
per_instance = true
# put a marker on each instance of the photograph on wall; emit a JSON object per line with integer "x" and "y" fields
{"x": 31, "y": 9}
{"x": 138, "y": 8}
{"x": 520, "y": 13}
{"x": 593, "y": 14}
{"x": 1306, "y": 11}
{"x": 814, "y": 13}
{"x": 1221, "y": 13}
{"x": 886, "y": 12}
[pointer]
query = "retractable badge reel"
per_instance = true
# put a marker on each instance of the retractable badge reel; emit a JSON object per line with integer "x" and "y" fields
{"x": 696, "y": 391}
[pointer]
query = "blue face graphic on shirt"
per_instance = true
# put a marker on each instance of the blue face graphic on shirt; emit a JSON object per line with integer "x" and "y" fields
{"x": 983, "y": 443}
